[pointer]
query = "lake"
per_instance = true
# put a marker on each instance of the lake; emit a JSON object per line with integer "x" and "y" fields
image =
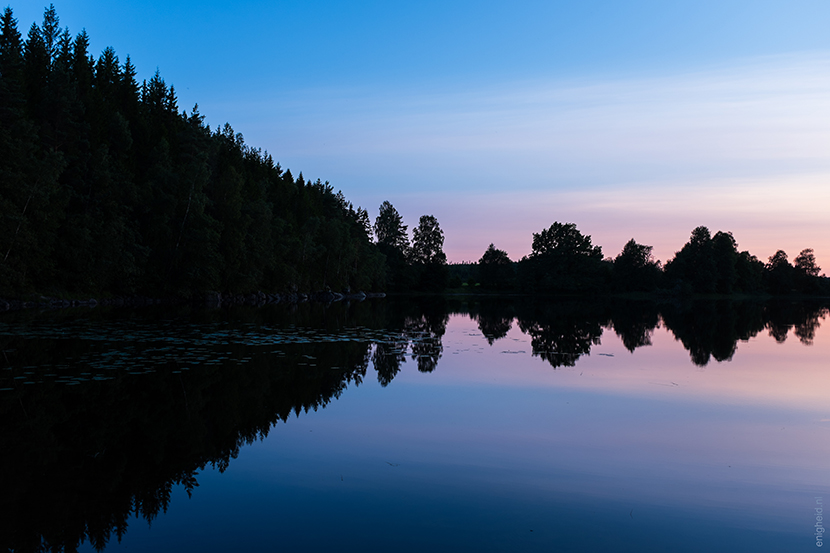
{"x": 466, "y": 424}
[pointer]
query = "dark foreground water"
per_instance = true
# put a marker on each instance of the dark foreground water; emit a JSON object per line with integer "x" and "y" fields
{"x": 413, "y": 426}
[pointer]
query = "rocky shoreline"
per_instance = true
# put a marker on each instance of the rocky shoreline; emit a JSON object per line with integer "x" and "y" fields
{"x": 208, "y": 300}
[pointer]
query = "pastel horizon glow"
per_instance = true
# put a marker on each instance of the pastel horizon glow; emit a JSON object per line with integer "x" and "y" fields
{"x": 633, "y": 121}
{"x": 662, "y": 370}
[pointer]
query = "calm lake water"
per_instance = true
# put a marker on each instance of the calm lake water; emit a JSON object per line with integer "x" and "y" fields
{"x": 442, "y": 425}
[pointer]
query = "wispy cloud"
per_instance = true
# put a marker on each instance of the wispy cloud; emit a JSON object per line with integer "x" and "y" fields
{"x": 747, "y": 119}
{"x": 745, "y": 146}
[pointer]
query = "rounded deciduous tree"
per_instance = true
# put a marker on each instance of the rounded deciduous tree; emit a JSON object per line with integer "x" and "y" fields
{"x": 635, "y": 267}
{"x": 694, "y": 264}
{"x": 779, "y": 273}
{"x": 564, "y": 239}
{"x": 634, "y": 256}
{"x": 428, "y": 255}
{"x": 778, "y": 261}
{"x": 428, "y": 242}
{"x": 563, "y": 260}
{"x": 806, "y": 262}
{"x": 495, "y": 268}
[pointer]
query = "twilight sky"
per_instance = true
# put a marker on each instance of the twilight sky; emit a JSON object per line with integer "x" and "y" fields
{"x": 635, "y": 119}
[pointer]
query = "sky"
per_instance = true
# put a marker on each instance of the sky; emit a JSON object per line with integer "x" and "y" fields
{"x": 639, "y": 119}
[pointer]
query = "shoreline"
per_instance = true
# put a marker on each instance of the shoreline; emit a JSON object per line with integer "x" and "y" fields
{"x": 261, "y": 299}
{"x": 208, "y": 300}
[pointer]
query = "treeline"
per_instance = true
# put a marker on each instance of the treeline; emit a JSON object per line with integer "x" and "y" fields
{"x": 564, "y": 261}
{"x": 106, "y": 186}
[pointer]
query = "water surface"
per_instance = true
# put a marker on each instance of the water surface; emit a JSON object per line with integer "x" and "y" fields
{"x": 453, "y": 426}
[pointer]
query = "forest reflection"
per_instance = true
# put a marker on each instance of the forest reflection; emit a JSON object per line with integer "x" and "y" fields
{"x": 82, "y": 457}
{"x": 563, "y": 331}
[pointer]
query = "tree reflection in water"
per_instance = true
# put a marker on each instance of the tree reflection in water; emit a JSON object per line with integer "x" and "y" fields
{"x": 80, "y": 460}
{"x": 494, "y": 317}
{"x": 417, "y": 327}
{"x": 560, "y": 333}
{"x": 82, "y": 457}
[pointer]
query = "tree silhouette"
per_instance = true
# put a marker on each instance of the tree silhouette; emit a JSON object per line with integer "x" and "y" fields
{"x": 694, "y": 264}
{"x": 750, "y": 272}
{"x": 805, "y": 262}
{"x": 429, "y": 262}
{"x": 390, "y": 230}
{"x": 495, "y": 269}
{"x": 428, "y": 242}
{"x": 779, "y": 273}
{"x": 725, "y": 256}
{"x": 564, "y": 260}
{"x": 363, "y": 219}
{"x": 635, "y": 268}
{"x": 393, "y": 243}
{"x": 564, "y": 240}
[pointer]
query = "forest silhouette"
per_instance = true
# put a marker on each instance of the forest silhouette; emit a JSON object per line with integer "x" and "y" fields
{"x": 564, "y": 261}
{"x": 108, "y": 188}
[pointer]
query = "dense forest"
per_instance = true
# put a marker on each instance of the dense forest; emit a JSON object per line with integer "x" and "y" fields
{"x": 107, "y": 188}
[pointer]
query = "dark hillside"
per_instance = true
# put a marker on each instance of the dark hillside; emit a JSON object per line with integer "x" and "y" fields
{"x": 106, "y": 186}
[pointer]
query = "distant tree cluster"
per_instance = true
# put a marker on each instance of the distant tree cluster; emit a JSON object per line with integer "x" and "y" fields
{"x": 421, "y": 265}
{"x": 105, "y": 186}
{"x": 564, "y": 261}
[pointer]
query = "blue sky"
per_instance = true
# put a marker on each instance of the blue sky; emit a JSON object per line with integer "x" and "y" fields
{"x": 631, "y": 119}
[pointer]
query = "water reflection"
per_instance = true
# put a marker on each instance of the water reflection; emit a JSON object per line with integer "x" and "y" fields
{"x": 104, "y": 413}
{"x": 494, "y": 317}
{"x": 562, "y": 332}
{"x": 414, "y": 327}
{"x": 81, "y": 457}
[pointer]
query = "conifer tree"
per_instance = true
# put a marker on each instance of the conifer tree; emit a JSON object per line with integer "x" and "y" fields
{"x": 11, "y": 48}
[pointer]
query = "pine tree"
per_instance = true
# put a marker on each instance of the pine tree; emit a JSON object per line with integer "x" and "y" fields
{"x": 11, "y": 49}
{"x": 50, "y": 32}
